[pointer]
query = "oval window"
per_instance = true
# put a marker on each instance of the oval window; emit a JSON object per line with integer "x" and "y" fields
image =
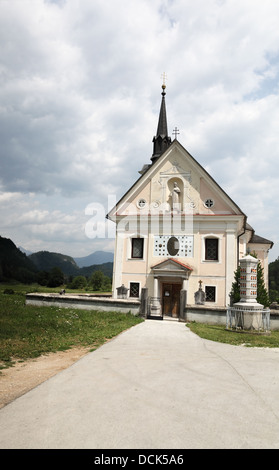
{"x": 173, "y": 246}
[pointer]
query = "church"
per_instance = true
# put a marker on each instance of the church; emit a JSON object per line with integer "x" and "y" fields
{"x": 178, "y": 231}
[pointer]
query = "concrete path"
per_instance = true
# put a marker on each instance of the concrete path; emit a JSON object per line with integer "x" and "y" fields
{"x": 155, "y": 386}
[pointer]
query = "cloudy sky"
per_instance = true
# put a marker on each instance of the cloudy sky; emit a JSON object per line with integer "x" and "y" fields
{"x": 79, "y": 101}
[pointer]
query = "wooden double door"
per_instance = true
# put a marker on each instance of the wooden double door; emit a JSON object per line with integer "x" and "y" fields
{"x": 171, "y": 299}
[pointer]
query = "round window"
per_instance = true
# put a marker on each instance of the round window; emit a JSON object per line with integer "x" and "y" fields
{"x": 141, "y": 203}
{"x": 173, "y": 246}
{"x": 209, "y": 203}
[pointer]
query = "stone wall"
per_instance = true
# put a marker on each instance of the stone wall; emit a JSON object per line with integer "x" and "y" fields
{"x": 199, "y": 313}
{"x": 205, "y": 314}
{"x": 84, "y": 301}
{"x": 218, "y": 315}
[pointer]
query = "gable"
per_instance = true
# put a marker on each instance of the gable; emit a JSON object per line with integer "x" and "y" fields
{"x": 153, "y": 191}
{"x": 171, "y": 265}
{"x": 213, "y": 200}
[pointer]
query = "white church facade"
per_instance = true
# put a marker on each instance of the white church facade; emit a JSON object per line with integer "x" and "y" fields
{"x": 177, "y": 230}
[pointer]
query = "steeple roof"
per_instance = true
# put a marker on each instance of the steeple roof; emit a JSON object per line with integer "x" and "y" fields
{"x": 161, "y": 141}
{"x": 162, "y": 128}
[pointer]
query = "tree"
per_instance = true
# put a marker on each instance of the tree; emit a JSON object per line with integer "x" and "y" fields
{"x": 96, "y": 280}
{"x": 43, "y": 278}
{"x": 56, "y": 277}
{"x": 79, "y": 282}
{"x": 262, "y": 297}
{"x": 235, "y": 290}
{"x": 100, "y": 282}
{"x": 274, "y": 280}
{"x": 25, "y": 275}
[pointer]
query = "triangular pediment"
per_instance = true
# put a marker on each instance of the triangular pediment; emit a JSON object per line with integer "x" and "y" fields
{"x": 171, "y": 265}
{"x": 197, "y": 189}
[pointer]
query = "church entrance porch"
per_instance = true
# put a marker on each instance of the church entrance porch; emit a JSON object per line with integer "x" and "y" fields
{"x": 171, "y": 299}
{"x": 170, "y": 284}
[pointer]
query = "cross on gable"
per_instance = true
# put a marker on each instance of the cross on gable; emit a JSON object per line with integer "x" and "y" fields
{"x": 175, "y": 132}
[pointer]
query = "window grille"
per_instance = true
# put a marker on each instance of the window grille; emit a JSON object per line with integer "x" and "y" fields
{"x": 137, "y": 248}
{"x": 210, "y": 293}
{"x": 134, "y": 289}
{"x": 211, "y": 249}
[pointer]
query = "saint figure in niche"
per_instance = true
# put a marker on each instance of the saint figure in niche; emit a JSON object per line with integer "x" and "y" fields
{"x": 175, "y": 197}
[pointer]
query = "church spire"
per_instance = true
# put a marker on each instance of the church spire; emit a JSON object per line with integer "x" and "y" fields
{"x": 161, "y": 141}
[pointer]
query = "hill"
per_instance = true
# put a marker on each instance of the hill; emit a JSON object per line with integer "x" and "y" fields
{"x": 106, "y": 268}
{"x": 98, "y": 257}
{"x": 14, "y": 264}
{"x": 45, "y": 261}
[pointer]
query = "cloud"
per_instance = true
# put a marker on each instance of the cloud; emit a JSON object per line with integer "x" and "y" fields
{"x": 80, "y": 96}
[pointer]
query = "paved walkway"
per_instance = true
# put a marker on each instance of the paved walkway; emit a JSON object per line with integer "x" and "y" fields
{"x": 155, "y": 386}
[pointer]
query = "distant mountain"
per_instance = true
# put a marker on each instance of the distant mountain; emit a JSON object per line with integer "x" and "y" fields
{"x": 98, "y": 257}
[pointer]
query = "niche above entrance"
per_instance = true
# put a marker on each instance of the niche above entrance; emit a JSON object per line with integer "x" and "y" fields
{"x": 175, "y": 187}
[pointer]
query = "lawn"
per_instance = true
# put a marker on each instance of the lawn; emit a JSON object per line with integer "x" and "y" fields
{"x": 28, "y": 331}
{"x": 30, "y": 288}
{"x": 220, "y": 334}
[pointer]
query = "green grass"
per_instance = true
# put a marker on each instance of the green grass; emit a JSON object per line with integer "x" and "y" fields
{"x": 219, "y": 334}
{"x": 28, "y": 331}
{"x": 30, "y": 288}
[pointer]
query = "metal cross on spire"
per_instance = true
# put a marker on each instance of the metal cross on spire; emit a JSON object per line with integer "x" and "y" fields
{"x": 175, "y": 132}
{"x": 164, "y": 77}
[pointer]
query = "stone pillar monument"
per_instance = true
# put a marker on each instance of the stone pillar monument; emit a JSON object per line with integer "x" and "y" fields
{"x": 248, "y": 312}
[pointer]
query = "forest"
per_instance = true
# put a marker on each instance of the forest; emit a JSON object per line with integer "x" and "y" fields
{"x": 273, "y": 270}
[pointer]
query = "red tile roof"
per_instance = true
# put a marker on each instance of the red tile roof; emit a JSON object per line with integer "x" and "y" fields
{"x": 175, "y": 261}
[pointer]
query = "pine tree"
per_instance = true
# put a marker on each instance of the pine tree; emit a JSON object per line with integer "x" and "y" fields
{"x": 235, "y": 290}
{"x": 262, "y": 297}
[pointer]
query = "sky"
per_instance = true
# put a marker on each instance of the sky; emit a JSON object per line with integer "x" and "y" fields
{"x": 80, "y": 93}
